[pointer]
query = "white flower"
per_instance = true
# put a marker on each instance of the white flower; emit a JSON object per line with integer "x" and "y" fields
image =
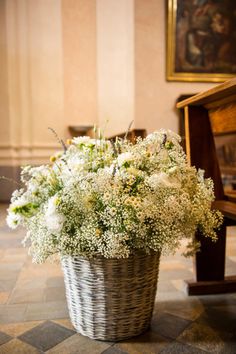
{"x": 33, "y": 187}
{"x": 123, "y": 158}
{"x": 13, "y": 220}
{"x": 54, "y": 220}
{"x": 109, "y": 170}
{"x": 19, "y": 202}
{"x": 75, "y": 161}
{"x": 81, "y": 140}
{"x": 162, "y": 180}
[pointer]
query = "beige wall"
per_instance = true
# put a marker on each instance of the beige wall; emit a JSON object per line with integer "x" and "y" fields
{"x": 4, "y": 106}
{"x": 81, "y": 62}
{"x": 34, "y": 79}
{"x": 115, "y": 64}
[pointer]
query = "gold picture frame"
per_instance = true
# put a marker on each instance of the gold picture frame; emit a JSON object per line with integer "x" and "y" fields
{"x": 201, "y": 40}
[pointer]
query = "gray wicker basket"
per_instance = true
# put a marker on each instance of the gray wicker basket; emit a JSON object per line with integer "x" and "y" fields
{"x": 111, "y": 299}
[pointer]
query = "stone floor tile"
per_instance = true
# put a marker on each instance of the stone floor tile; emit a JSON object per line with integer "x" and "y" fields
{"x": 65, "y": 322}
{"x": 15, "y": 258}
{"x": 218, "y": 300}
{"x": 147, "y": 343}
{"x": 30, "y": 271}
{"x": 189, "y": 310}
{"x": 220, "y": 318}
{"x": 165, "y": 286}
{"x": 179, "y": 284}
{"x": 53, "y": 282}
{"x": 7, "y": 285}
{"x": 16, "y": 346}
{"x": 114, "y": 350}
{"x": 12, "y": 313}
{"x": 8, "y": 274}
{"x": 55, "y": 294}
{"x": 171, "y": 264}
{"x": 168, "y": 325}
{"x": 26, "y": 296}
{"x": 31, "y": 283}
{"x": 170, "y": 296}
{"x": 16, "y": 251}
{"x": 175, "y": 274}
{"x": 4, "y": 338}
{"x": 16, "y": 329}
{"x": 17, "y": 266}
{"x": 6, "y": 242}
{"x": 180, "y": 348}
{"x": 46, "y": 335}
{"x": 78, "y": 344}
{"x": 4, "y": 295}
{"x": 47, "y": 310}
{"x": 203, "y": 337}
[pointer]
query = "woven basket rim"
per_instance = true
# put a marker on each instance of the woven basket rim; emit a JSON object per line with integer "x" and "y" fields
{"x": 136, "y": 253}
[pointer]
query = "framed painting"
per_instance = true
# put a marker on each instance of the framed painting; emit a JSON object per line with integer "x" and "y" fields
{"x": 201, "y": 40}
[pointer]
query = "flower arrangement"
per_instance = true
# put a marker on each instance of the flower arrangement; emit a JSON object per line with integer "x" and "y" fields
{"x": 111, "y": 199}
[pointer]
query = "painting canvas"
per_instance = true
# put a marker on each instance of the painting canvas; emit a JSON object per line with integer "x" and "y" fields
{"x": 201, "y": 40}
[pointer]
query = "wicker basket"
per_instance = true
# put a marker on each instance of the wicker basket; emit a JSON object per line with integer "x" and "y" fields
{"x": 111, "y": 299}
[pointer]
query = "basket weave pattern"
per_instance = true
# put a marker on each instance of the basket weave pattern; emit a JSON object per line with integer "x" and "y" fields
{"x": 111, "y": 299}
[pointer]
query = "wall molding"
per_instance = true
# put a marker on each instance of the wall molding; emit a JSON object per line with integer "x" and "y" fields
{"x": 12, "y": 155}
{"x": 33, "y": 146}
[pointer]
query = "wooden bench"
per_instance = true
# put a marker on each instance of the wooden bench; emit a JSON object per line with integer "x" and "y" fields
{"x": 131, "y": 135}
{"x": 207, "y": 114}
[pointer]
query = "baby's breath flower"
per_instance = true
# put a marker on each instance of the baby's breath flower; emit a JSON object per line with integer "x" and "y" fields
{"x": 111, "y": 199}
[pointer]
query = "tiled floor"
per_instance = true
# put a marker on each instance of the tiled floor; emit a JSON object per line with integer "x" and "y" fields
{"x": 34, "y": 316}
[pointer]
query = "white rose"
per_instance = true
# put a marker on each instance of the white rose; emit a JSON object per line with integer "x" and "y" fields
{"x": 125, "y": 157}
{"x": 162, "y": 180}
{"x": 54, "y": 220}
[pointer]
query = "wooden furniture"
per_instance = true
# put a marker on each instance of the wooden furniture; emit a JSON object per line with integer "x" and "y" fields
{"x": 132, "y": 134}
{"x": 207, "y": 114}
{"x": 80, "y": 130}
